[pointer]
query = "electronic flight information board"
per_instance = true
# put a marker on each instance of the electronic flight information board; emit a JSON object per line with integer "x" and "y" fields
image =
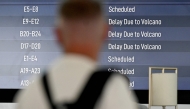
{"x": 143, "y": 34}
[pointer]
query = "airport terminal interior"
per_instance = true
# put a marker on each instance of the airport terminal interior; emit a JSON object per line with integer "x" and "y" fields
{"x": 148, "y": 41}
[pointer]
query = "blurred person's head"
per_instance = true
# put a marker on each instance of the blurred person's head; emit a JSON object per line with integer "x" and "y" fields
{"x": 81, "y": 27}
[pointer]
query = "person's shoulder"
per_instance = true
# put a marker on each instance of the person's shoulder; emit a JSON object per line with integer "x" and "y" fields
{"x": 116, "y": 76}
{"x": 31, "y": 95}
{"x": 115, "y": 80}
{"x": 117, "y": 90}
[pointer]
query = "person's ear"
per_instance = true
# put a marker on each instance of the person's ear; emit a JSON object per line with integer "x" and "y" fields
{"x": 59, "y": 36}
{"x": 105, "y": 32}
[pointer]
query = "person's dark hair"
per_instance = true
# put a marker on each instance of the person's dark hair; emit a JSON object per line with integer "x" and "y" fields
{"x": 77, "y": 9}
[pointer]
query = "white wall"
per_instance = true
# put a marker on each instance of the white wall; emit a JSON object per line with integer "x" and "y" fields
{"x": 170, "y": 107}
{"x": 13, "y": 105}
{"x": 7, "y": 105}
